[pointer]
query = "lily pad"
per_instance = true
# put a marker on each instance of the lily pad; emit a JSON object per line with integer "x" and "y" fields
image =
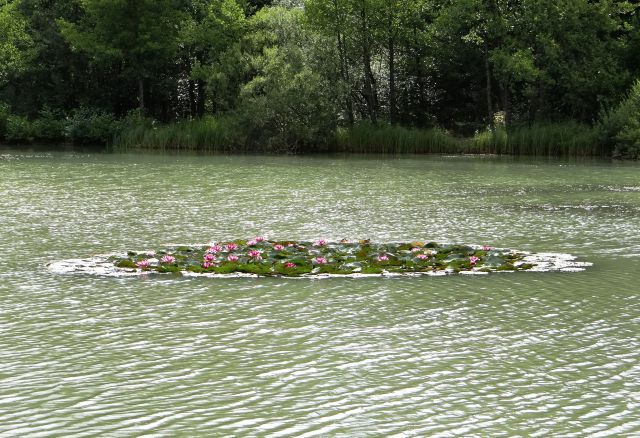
{"x": 287, "y": 258}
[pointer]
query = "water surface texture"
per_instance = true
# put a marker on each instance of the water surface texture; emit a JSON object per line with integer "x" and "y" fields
{"x": 536, "y": 354}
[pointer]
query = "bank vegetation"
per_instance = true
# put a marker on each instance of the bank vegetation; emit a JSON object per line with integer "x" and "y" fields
{"x": 386, "y": 76}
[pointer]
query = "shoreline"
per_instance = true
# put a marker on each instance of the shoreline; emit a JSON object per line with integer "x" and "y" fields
{"x": 331, "y": 153}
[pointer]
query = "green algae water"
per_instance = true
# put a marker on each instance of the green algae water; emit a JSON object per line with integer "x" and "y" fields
{"x": 526, "y": 353}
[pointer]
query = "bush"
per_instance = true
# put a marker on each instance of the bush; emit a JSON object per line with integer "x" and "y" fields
{"x": 288, "y": 106}
{"x": 287, "y": 111}
{"x": 620, "y": 127}
{"x": 19, "y": 129}
{"x": 628, "y": 140}
{"x": 50, "y": 126}
{"x": 90, "y": 125}
{"x": 4, "y": 115}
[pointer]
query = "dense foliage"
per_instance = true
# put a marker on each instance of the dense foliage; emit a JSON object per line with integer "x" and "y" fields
{"x": 293, "y": 75}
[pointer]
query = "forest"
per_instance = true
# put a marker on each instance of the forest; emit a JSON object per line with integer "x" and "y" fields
{"x": 537, "y": 77}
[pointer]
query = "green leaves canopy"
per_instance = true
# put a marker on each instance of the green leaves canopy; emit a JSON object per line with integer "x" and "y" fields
{"x": 16, "y": 45}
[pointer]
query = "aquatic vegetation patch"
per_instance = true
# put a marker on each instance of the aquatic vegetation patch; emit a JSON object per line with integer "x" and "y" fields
{"x": 320, "y": 258}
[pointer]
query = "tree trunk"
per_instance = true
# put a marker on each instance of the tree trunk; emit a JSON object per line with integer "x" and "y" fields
{"x": 369, "y": 79}
{"x": 344, "y": 70}
{"x": 192, "y": 98}
{"x": 541, "y": 100}
{"x": 202, "y": 98}
{"x": 506, "y": 103}
{"x": 141, "y": 95}
{"x": 344, "y": 67}
{"x": 487, "y": 72}
{"x": 191, "y": 88}
{"x": 392, "y": 82}
{"x": 417, "y": 108}
{"x": 347, "y": 81}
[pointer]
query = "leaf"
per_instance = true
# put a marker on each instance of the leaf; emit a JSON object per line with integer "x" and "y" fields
{"x": 125, "y": 263}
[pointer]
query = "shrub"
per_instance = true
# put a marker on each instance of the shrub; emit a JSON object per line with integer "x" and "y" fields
{"x": 620, "y": 127}
{"x": 628, "y": 140}
{"x": 287, "y": 111}
{"x": 90, "y": 125}
{"x": 19, "y": 129}
{"x": 288, "y": 106}
{"x": 49, "y": 126}
{"x": 4, "y": 115}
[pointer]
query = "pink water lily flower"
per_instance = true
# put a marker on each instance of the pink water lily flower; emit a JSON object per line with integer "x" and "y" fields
{"x": 422, "y": 256}
{"x": 319, "y": 261}
{"x": 473, "y": 260}
{"x": 486, "y": 248}
{"x": 232, "y": 258}
{"x": 143, "y": 264}
{"x": 320, "y": 242}
{"x": 289, "y": 265}
{"x": 231, "y": 246}
{"x": 415, "y": 249}
{"x": 383, "y": 258}
{"x": 252, "y": 243}
{"x": 168, "y": 259}
{"x": 255, "y": 254}
{"x": 207, "y": 265}
{"x": 259, "y": 239}
{"x": 209, "y": 257}
{"x": 212, "y": 250}
{"x": 278, "y": 247}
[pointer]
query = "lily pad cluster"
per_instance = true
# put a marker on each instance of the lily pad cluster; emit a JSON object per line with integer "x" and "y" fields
{"x": 288, "y": 258}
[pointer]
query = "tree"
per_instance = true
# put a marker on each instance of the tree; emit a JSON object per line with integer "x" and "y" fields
{"x": 288, "y": 105}
{"x": 540, "y": 59}
{"x": 141, "y": 35}
{"x": 16, "y": 45}
{"x": 212, "y": 45}
{"x": 329, "y": 17}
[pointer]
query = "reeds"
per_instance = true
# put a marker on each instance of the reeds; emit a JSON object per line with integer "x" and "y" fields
{"x": 391, "y": 139}
{"x": 567, "y": 139}
{"x": 206, "y": 134}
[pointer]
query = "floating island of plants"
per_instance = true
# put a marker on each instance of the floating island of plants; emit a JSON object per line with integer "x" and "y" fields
{"x": 320, "y": 258}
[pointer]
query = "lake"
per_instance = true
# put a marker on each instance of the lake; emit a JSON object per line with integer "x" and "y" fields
{"x": 539, "y": 354}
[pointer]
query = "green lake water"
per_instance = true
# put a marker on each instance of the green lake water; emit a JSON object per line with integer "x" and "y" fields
{"x": 530, "y": 354}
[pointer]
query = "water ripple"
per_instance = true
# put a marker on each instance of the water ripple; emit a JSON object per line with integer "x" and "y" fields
{"x": 538, "y": 354}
